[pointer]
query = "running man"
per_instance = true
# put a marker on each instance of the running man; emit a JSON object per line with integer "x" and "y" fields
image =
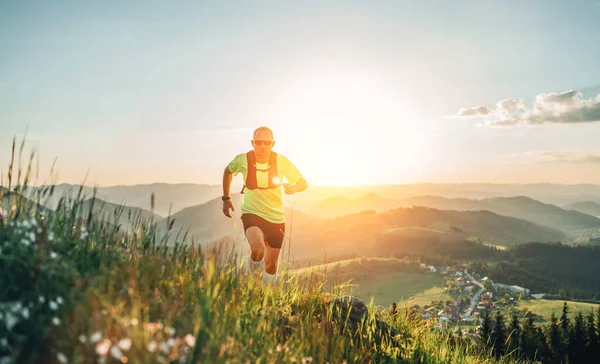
{"x": 262, "y": 207}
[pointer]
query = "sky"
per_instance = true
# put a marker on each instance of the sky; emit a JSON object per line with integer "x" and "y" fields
{"x": 356, "y": 92}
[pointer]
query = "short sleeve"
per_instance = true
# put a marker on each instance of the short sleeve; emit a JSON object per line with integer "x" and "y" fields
{"x": 289, "y": 170}
{"x": 235, "y": 166}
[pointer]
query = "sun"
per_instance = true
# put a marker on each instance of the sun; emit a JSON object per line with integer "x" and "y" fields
{"x": 350, "y": 129}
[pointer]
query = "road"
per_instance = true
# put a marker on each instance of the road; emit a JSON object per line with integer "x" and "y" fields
{"x": 476, "y": 296}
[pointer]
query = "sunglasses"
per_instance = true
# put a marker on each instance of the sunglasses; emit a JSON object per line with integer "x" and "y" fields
{"x": 262, "y": 142}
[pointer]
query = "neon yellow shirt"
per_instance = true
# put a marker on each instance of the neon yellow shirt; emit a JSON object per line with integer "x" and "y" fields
{"x": 268, "y": 203}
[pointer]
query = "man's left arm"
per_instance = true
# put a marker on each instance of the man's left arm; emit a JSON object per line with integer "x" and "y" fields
{"x": 300, "y": 185}
{"x": 291, "y": 173}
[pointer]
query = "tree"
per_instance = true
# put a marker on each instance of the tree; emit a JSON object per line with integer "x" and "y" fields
{"x": 529, "y": 340}
{"x": 499, "y": 335}
{"x": 577, "y": 340}
{"x": 556, "y": 353}
{"x": 564, "y": 325}
{"x": 514, "y": 334}
{"x": 485, "y": 331}
{"x": 591, "y": 339}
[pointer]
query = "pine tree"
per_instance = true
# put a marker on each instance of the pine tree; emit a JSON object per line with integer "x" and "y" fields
{"x": 542, "y": 346}
{"x": 577, "y": 340}
{"x": 591, "y": 339}
{"x": 555, "y": 343}
{"x": 598, "y": 331}
{"x": 499, "y": 335}
{"x": 529, "y": 340}
{"x": 514, "y": 334}
{"x": 485, "y": 331}
{"x": 564, "y": 326}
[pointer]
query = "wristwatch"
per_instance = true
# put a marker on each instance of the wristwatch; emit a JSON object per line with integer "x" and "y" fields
{"x": 225, "y": 198}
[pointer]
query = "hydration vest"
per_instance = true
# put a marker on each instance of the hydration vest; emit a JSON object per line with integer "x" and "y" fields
{"x": 250, "y": 182}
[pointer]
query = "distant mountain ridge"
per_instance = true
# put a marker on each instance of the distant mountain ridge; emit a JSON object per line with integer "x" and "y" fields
{"x": 108, "y": 212}
{"x": 521, "y": 207}
{"x": 178, "y": 196}
{"x": 585, "y": 207}
{"x": 312, "y": 235}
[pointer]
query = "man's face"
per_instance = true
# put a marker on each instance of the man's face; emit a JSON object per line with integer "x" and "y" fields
{"x": 262, "y": 143}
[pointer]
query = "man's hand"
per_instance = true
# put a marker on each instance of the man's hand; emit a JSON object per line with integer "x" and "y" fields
{"x": 288, "y": 188}
{"x": 226, "y": 206}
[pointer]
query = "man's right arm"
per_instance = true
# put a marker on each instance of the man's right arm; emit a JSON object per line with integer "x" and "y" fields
{"x": 227, "y": 204}
{"x": 227, "y": 177}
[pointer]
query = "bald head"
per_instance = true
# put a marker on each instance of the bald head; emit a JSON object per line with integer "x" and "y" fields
{"x": 263, "y": 130}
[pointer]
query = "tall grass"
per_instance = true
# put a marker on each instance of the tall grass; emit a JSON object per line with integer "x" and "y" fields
{"x": 76, "y": 288}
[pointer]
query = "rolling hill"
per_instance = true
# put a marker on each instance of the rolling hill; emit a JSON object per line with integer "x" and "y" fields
{"x": 127, "y": 216}
{"x": 585, "y": 207}
{"x": 520, "y": 207}
{"x": 311, "y": 236}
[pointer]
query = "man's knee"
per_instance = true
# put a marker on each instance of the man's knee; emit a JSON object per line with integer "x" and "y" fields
{"x": 271, "y": 267}
{"x": 257, "y": 254}
{"x": 257, "y": 243}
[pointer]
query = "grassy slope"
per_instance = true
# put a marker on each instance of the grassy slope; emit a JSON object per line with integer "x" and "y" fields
{"x": 92, "y": 292}
{"x": 385, "y": 280}
{"x": 545, "y": 308}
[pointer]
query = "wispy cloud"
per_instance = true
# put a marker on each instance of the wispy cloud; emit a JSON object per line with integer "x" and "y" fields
{"x": 567, "y": 107}
{"x": 559, "y": 156}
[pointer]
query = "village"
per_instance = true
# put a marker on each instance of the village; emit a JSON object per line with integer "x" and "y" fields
{"x": 471, "y": 295}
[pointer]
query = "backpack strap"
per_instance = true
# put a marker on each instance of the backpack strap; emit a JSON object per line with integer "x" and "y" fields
{"x": 251, "y": 182}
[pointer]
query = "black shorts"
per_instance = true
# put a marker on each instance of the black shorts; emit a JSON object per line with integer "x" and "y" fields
{"x": 273, "y": 232}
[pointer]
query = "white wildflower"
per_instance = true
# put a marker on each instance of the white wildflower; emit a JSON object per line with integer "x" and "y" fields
{"x": 25, "y": 312}
{"x": 53, "y": 305}
{"x": 51, "y": 236}
{"x": 82, "y": 339}
{"x": 83, "y": 235}
{"x": 41, "y": 299}
{"x": 171, "y": 342}
{"x": 164, "y": 347}
{"x": 11, "y": 320}
{"x": 104, "y": 312}
{"x": 170, "y": 331}
{"x": 278, "y": 348}
{"x": 16, "y": 306}
{"x": 56, "y": 321}
{"x": 3, "y": 342}
{"x": 102, "y": 347}
{"x": 125, "y": 344}
{"x": 95, "y": 337}
{"x": 26, "y": 223}
{"x": 190, "y": 340}
{"x": 134, "y": 321}
{"x": 53, "y": 255}
{"x": 152, "y": 346}
{"x": 59, "y": 300}
{"x": 33, "y": 222}
{"x": 6, "y": 360}
{"x": 62, "y": 358}
{"x": 25, "y": 242}
{"x": 116, "y": 353}
{"x": 32, "y": 236}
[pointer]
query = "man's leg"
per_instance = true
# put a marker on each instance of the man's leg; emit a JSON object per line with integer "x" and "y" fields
{"x": 256, "y": 240}
{"x": 271, "y": 259}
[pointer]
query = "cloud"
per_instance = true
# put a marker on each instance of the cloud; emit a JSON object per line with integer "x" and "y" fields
{"x": 567, "y": 107}
{"x": 562, "y": 156}
{"x": 474, "y": 111}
